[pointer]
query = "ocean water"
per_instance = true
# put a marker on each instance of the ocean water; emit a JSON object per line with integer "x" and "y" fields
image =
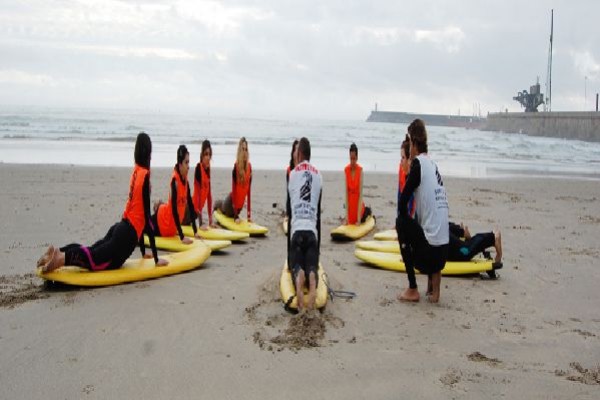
{"x": 107, "y": 137}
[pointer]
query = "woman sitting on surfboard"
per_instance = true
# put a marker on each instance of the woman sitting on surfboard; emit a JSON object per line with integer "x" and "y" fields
{"x": 120, "y": 241}
{"x": 168, "y": 216}
{"x": 241, "y": 186}
{"x": 356, "y": 212}
{"x": 423, "y": 240}
{"x": 202, "y": 190}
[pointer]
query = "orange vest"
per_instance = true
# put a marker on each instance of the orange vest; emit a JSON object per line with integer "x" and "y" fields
{"x": 201, "y": 191}
{"x": 241, "y": 189}
{"x": 402, "y": 177}
{"x": 353, "y": 187}
{"x": 134, "y": 209}
{"x": 165, "y": 217}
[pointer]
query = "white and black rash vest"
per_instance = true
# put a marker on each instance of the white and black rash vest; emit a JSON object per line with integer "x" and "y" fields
{"x": 304, "y": 191}
{"x": 430, "y": 198}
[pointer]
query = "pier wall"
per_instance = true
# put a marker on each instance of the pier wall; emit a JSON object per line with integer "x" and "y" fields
{"x": 568, "y": 125}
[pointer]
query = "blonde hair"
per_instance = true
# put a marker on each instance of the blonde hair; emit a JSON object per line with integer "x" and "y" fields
{"x": 241, "y": 164}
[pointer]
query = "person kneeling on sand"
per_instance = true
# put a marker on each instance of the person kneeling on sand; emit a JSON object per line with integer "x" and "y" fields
{"x": 423, "y": 240}
{"x": 303, "y": 205}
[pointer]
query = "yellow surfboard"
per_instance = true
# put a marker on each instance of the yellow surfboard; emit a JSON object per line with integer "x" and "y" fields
{"x": 288, "y": 291}
{"x": 384, "y": 246}
{"x": 386, "y": 235}
{"x": 136, "y": 269}
{"x": 353, "y": 232}
{"x": 244, "y": 226}
{"x": 172, "y": 243}
{"x": 393, "y": 262}
{"x": 215, "y": 233}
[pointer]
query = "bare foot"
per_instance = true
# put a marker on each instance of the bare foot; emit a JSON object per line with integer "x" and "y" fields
{"x": 56, "y": 261}
{"x": 409, "y": 295}
{"x": 46, "y": 257}
{"x": 498, "y": 245}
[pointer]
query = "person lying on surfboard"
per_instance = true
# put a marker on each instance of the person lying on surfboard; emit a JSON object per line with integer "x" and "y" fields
{"x": 202, "y": 188}
{"x": 303, "y": 204}
{"x": 424, "y": 239}
{"x": 168, "y": 217}
{"x": 463, "y": 246}
{"x": 241, "y": 186}
{"x": 356, "y": 212}
{"x": 122, "y": 238}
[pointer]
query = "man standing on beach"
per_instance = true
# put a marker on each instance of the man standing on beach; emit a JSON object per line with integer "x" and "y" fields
{"x": 424, "y": 240}
{"x": 304, "y": 226}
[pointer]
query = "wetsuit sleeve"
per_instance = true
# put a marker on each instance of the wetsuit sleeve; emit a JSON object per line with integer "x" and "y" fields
{"x": 360, "y": 198}
{"x": 288, "y": 211}
{"x": 346, "y": 194}
{"x": 319, "y": 222}
{"x": 412, "y": 183}
{"x": 249, "y": 205}
{"x": 287, "y": 185}
{"x": 174, "y": 207}
{"x": 197, "y": 178}
{"x": 233, "y": 186}
{"x": 456, "y": 230}
{"x": 209, "y": 206}
{"x": 148, "y": 228}
{"x": 398, "y": 199}
{"x": 192, "y": 211}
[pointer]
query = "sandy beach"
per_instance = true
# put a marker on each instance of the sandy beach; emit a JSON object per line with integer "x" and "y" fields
{"x": 219, "y": 332}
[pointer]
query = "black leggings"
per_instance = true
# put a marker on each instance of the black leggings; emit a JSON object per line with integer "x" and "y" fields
{"x": 417, "y": 252}
{"x": 465, "y": 250}
{"x": 111, "y": 252}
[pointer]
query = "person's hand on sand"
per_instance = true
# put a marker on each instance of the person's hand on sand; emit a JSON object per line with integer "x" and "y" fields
{"x": 204, "y": 228}
{"x": 162, "y": 263}
{"x": 187, "y": 240}
{"x": 238, "y": 220}
{"x": 213, "y": 226}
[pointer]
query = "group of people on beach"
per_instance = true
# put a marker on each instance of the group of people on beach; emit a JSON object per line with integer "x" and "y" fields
{"x": 426, "y": 237}
{"x": 167, "y": 219}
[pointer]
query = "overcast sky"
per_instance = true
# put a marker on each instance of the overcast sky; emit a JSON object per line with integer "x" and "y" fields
{"x": 296, "y": 59}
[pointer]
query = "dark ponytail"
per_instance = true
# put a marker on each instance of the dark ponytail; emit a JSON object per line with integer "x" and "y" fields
{"x": 143, "y": 150}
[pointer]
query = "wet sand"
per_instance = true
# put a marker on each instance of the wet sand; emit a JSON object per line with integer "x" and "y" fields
{"x": 221, "y": 331}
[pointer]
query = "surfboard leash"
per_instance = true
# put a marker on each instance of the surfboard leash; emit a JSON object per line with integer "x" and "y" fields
{"x": 342, "y": 294}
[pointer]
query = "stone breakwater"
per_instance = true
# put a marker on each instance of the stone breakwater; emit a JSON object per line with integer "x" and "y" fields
{"x": 567, "y": 125}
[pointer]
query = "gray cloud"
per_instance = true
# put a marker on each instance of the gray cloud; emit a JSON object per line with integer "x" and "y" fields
{"x": 286, "y": 58}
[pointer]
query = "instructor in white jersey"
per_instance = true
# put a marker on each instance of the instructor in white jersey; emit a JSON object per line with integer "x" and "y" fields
{"x": 424, "y": 239}
{"x": 304, "y": 225}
